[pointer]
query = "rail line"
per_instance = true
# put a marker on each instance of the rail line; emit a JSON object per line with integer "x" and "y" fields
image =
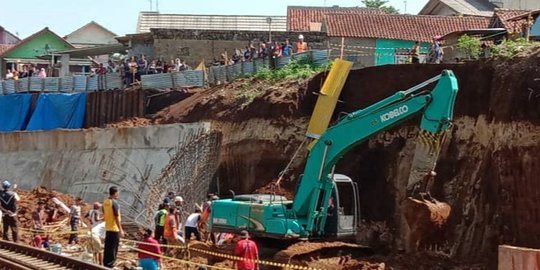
{"x": 15, "y": 256}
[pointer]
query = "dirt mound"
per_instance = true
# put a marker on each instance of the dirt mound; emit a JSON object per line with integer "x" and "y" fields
{"x": 131, "y": 122}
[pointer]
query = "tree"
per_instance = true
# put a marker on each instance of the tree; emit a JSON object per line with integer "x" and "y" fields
{"x": 381, "y": 4}
{"x": 471, "y": 46}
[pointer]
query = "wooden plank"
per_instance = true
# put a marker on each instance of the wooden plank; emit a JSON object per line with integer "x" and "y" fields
{"x": 518, "y": 258}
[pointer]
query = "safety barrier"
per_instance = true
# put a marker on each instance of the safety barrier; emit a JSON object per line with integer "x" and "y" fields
{"x": 227, "y": 73}
{"x": 184, "y": 247}
{"x": 174, "y": 79}
{"x": 62, "y": 84}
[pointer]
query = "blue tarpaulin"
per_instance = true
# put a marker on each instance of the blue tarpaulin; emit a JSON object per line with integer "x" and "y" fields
{"x": 58, "y": 111}
{"x": 14, "y": 111}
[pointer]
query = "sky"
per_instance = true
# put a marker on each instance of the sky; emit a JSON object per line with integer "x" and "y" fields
{"x": 120, "y": 16}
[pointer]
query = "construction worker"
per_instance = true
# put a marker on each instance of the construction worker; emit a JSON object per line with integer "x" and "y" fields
{"x": 74, "y": 220}
{"x": 192, "y": 225}
{"x": 415, "y": 52}
{"x": 113, "y": 227}
{"x": 170, "y": 231}
{"x": 159, "y": 220}
{"x": 8, "y": 205}
{"x": 301, "y": 45}
{"x": 248, "y": 250}
{"x": 149, "y": 255}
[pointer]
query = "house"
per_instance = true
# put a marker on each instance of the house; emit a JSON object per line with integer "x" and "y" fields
{"x": 459, "y": 7}
{"x": 310, "y": 19}
{"x": 7, "y": 39}
{"x": 31, "y": 51}
{"x": 93, "y": 35}
{"x": 379, "y": 39}
{"x": 148, "y": 20}
{"x": 90, "y": 35}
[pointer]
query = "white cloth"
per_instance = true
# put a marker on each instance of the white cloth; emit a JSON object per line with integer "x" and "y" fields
{"x": 99, "y": 230}
{"x": 192, "y": 220}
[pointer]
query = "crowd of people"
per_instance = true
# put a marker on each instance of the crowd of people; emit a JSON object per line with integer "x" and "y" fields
{"x": 25, "y": 72}
{"x": 173, "y": 227}
{"x": 263, "y": 50}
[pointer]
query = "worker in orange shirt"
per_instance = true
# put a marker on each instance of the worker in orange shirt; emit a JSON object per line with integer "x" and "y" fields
{"x": 301, "y": 45}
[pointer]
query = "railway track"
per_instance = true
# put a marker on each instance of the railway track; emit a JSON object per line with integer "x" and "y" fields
{"x": 20, "y": 257}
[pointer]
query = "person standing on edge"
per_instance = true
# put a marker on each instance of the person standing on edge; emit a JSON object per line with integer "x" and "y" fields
{"x": 248, "y": 250}
{"x": 113, "y": 227}
{"x": 416, "y": 53}
{"x": 8, "y": 205}
{"x": 149, "y": 246}
{"x": 74, "y": 220}
{"x": 301, "y": 46}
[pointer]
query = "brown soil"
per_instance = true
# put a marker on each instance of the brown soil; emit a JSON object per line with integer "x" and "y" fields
{"x": 486, "y": 171}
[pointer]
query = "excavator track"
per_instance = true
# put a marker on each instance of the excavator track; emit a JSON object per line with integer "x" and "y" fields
{"x": 20, "y": 257}
{"x": 311, "y": 253}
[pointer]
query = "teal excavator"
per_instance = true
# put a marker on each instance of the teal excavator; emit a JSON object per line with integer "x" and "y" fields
{"x": 326, "y": 204}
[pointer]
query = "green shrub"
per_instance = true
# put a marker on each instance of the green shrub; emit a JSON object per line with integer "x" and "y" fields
{"x": 470, "y": 46}
{"x": 510, "y": 48}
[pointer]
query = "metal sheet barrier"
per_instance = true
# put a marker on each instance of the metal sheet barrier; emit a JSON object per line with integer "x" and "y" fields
{"x": 62, "y": 84}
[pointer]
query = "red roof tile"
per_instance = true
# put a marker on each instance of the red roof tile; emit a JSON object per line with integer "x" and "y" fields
{"x": 403, "y": 27}
{"x": 5, "y": 47}
{"x": 512, "y": 20}
{"x": 299, "y": 18}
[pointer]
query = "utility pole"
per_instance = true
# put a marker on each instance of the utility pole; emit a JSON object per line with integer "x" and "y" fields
{"x": 404, "y": 9}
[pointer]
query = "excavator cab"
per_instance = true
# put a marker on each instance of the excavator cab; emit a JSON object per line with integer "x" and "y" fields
{"x": 343, "y": 213}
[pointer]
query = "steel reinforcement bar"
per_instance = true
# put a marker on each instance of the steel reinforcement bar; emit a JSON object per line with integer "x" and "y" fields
{"x": 21, "y": 257}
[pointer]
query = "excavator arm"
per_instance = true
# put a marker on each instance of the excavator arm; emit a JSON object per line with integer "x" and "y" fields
{"x": 436, "y": 107}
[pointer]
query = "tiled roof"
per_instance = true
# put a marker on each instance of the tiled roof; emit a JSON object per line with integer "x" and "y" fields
{"x": 149, "y": 20}
{"x": 5, "y": 47}
{"x": 403, "y": 27}
{"x": 511, "y": 19}
{"x": 299, "y": 18}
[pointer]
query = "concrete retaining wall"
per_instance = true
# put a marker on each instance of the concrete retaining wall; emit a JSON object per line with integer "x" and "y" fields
{"x": 86, "y": 162}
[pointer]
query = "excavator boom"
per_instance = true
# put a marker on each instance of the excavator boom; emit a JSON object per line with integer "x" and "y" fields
{"x": 306, "y": 215}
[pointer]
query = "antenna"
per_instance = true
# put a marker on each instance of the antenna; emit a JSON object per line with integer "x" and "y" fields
{"x": 157, "y": 5}
{"x": 150, "y": 4}
{"x": 405, "y": 9}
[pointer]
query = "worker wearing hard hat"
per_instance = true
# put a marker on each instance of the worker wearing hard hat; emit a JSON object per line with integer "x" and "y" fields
{"x": 301, "y": 45}
{"x": 8, "y": 205}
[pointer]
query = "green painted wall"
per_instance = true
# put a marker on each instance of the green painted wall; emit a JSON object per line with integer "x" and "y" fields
{"x": 36, "y": 46}
{"x": 385, "y": 48}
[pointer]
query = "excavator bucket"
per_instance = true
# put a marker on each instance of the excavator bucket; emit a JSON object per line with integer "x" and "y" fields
{"x": 425, "y": 216}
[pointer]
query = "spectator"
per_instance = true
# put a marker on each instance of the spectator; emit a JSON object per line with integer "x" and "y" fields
{"x": 159, "y": 220}
{"x": 248, "y": 250}
{"x": 24, "y": 72}
{"x": 142, "y": 67}
{"x": 42, "y": 73}
{"x": 38, "y": 216}
{"x": 159, "y": 66}
{"x": 101, "y": 70}
{"x": 247, "y": 54}
{"x": 133, "y": 67}
{"x": 192, "y": 224}
{"x": 149, "y": 255}
{"x": 9, "y": 74}
{"x": 436, "y": 53}
{"x": 8, "y": 205}
{"x": 186, "y": 67}
{"x": 74, "y": 220}
{"x": 34, "y": 72}
{"x": 237, "y": 56}
{"x": 276, "y": 50}
{"x": 152, "y": 67}
{"x": 301, "y": 45}
{"x": 94, "y": 243}
{"x": 113, "y": 227}
{"x": 415, "y": 52}
{"x": 95, "y": 215}
{"x": 111, "y": 67}
{"x": 177, "y": 64}
{"x": 286, "y": 49}
{"x": 37, "y": 241}
{"x": 263, "y": 51}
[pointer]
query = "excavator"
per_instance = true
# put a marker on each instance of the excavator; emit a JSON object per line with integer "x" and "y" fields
{"x": 326, "y": 204}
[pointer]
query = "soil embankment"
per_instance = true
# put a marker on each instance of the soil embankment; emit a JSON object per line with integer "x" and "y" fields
{"x": 487, "y": 170}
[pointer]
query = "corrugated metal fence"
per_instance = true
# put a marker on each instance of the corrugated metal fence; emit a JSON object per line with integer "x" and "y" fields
{"x": 174, "y": 79}
{"x": 220, "y": 74}
{"x": 62, "y": 84}
{"x": 104, "y": 107}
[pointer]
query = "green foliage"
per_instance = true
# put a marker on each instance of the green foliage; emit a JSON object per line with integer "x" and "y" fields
{"x": 380, "y": 4}
{"x": 471, "y": 46}
{"x": 245, "y": 94}
{"x": 510, "y": 48}
{"x": 301, "y": 69}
